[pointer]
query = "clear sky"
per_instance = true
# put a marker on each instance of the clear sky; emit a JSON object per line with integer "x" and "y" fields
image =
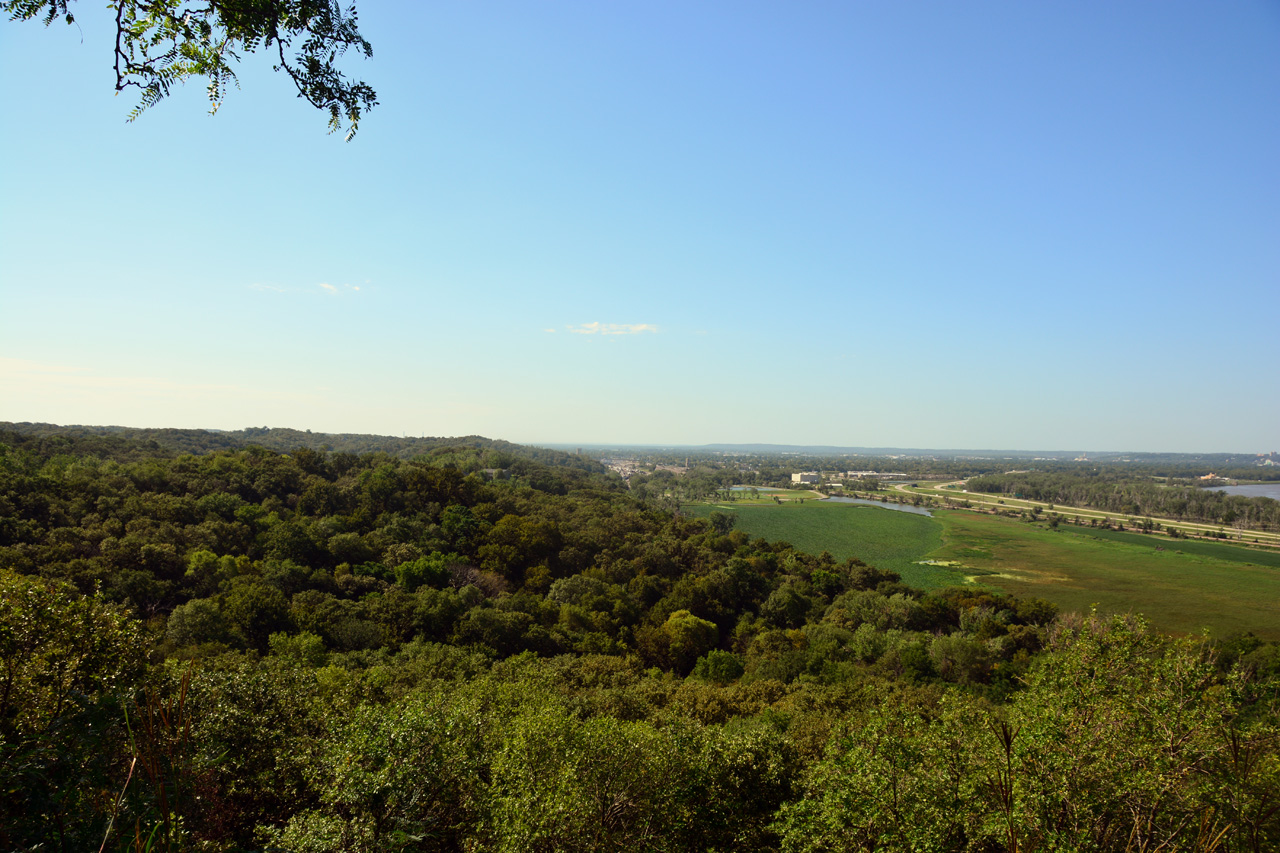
{"x": 1049, "y": 225}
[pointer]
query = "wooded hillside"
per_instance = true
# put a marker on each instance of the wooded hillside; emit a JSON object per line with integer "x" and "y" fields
{"x": 472, "y": 649}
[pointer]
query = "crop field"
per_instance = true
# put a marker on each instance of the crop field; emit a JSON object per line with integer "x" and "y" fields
{"x": 1181, "y": 589}
{"x": 879, "y": 537}
{"x": 1179, "y": 586}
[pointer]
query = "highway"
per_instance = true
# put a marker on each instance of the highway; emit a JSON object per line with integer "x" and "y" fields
{"x": 953, "y": 490}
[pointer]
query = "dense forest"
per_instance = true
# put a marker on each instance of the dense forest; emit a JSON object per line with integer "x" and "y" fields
{"x": 1124, "y": 494}
{"x": 121, "y": 443}
{"x": 482, "y": 646}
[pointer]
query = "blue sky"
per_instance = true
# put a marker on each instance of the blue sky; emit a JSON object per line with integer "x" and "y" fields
{"x": 924, "y": 224}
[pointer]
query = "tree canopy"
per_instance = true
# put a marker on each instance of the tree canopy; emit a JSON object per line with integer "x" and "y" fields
{"x": 472, "y": 649}
{"x": 159, "y": 43}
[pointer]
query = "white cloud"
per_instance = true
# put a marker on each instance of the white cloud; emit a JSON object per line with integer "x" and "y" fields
{"x": 612, "y": 328}
{"x": 323, "y": 286}
{"x": 333, "y": 288}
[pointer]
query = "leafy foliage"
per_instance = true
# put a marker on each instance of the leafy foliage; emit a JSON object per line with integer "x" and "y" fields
{"x": 1120, "y": 742}
{"x": 363, "y": 652}
{"x": 160, "y": 43}
{"x": 67, "y": 663}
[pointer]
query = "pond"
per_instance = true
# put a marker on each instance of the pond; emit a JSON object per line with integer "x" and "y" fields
{"x": 915, "y": 510}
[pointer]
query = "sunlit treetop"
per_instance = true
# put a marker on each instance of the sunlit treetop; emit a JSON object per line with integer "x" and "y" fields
{"x": 162, "y": 42}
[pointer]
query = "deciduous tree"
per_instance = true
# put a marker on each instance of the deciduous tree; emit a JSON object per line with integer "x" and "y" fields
{"x": 159, "y": 43}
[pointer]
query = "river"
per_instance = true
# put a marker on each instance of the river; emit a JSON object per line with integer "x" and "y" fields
{"x": 1260, "y": 490}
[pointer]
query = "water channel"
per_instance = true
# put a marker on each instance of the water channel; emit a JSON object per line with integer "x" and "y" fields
{"x": 1259, "y": 490}
{"x": 915, "y": 510}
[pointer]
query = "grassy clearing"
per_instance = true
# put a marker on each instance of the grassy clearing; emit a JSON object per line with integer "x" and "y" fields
{"x": 896, "y": 541}
{"x": 1217, "y": 550}
{"x": 1187, "y": 586}
{"x": 1182, "y": 589}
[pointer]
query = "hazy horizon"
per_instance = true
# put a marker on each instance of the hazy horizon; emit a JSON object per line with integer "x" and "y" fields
{"x": 713, "y": 446}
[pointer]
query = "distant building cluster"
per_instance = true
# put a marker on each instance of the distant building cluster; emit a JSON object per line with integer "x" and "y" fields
{"x": 625, "y": 468}
{"x": 813, "y": 477}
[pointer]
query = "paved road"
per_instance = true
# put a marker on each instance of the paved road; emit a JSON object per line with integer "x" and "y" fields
{"x": 995, "y": 501}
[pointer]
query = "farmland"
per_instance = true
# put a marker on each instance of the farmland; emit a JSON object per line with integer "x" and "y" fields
{"x": 887, "y": 540}
{"x": 1179, "y": 587}
{"x": 1225, "y": 588}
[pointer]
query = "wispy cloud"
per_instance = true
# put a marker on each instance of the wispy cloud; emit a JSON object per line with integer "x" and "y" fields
{"x": 612, "y": 328}
{"x": 323, "y": 286}
{"x": 333, "y": 288}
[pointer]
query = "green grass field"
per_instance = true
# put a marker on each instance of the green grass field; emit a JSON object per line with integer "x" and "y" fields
{"x": 879, "y": 537}
{"x": 1217, "y": 550}
{"x": 1183, "y": 588}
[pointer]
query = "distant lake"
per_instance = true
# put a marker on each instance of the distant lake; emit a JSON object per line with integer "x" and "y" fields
{"x": 899, "y": 507}
{"x": 1261, "y": 490}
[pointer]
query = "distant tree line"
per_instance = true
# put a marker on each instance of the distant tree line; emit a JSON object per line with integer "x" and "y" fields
{"x": 1122, "y": 494}
{"x": 121, "y": 443}
{"x": 775, "y": 469}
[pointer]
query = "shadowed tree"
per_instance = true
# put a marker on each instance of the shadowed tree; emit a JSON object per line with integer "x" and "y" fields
{"x": 162, "y": 42}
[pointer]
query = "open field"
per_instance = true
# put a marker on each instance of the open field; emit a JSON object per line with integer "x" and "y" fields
{"x": 882, "y": 538}
{"x": 1179, "y": 586}
{"x": 1198, "y": 547}
{"x": 1224, "y": 588}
